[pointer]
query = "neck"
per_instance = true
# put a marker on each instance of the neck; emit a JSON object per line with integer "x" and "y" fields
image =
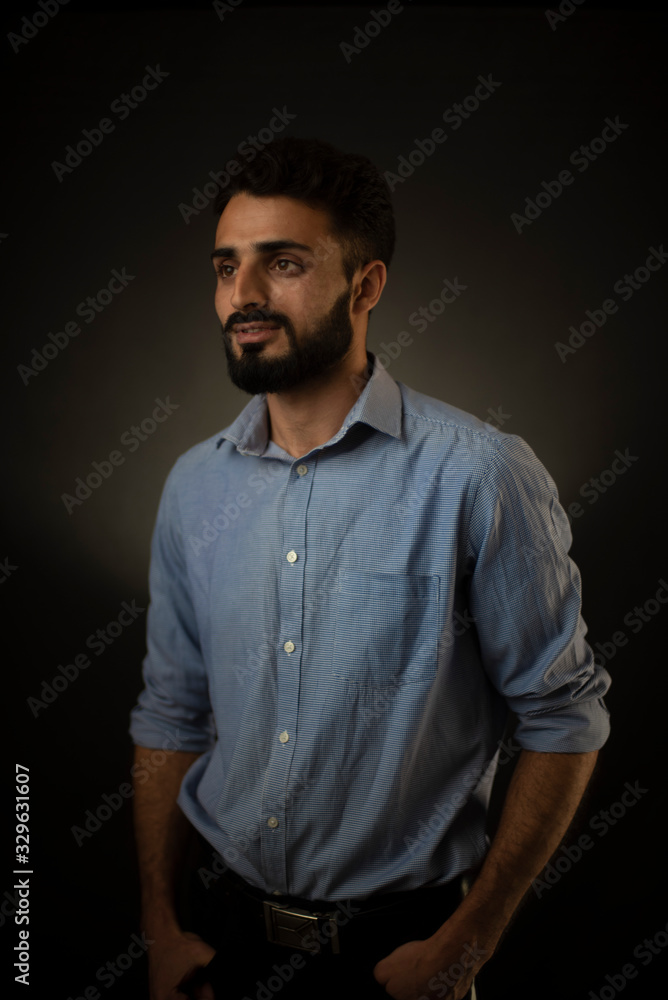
{"x": 308, "y": 416}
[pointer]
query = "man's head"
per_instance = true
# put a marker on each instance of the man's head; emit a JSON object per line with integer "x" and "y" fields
{"x": 303, "y": 244}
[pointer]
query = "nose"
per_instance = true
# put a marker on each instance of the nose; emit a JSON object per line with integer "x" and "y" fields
{"x": 249, "y": 290}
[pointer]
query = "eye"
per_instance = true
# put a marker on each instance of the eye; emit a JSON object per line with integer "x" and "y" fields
{"x": 286, "y": 260}
{"x": 226, "y": 270}
{"x": 221, "y": 270}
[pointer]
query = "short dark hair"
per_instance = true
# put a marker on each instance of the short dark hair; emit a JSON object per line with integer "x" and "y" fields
{"x": 347, "y": 185}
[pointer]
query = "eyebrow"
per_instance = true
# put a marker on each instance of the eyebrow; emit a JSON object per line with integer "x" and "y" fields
{"x": 264, "y": 246}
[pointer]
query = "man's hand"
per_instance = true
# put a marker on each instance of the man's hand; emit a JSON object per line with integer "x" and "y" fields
{"x": 174, "y": 958}
{"x": 162, "y": 832}
{"x": 542, "y": 798}
{"x": 438, "y": 967}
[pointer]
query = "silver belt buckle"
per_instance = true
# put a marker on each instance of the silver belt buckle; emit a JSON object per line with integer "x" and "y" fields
{"x": 290, "y": 926}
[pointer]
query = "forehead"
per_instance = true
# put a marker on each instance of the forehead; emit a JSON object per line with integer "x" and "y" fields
{"x": 247, "y": 219}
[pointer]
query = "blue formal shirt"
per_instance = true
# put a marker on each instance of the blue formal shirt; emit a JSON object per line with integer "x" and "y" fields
{"x": 341, "y": 636}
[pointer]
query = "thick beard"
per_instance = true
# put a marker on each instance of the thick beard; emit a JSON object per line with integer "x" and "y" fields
{"x": 320, "y": 350}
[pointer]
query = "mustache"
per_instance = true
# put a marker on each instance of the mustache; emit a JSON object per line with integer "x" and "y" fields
{"x": 255, "y": 316}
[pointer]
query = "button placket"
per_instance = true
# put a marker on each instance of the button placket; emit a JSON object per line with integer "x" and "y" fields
{"x": 289, "y": 662}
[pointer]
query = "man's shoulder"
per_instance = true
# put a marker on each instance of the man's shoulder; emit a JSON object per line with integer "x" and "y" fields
{"x": 434, "y": 415}
{"x": 197, "y": 460}
{"x": 441, "y": 429}
{"x": 472, "y": 447}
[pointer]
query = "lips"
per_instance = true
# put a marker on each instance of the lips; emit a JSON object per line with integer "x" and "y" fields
{"x": 251, "y": 332}
{"x": 263, "y": 325}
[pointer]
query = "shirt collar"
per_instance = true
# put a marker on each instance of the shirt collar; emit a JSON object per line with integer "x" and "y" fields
{"x": 379, "y": 405}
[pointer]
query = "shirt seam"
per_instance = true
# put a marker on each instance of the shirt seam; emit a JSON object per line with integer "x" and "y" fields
{"x": 483, "y": 478}
{"x": 492, "y": 438}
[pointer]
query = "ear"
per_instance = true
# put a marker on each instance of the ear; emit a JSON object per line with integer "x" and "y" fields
{"x": 368, "y": 285}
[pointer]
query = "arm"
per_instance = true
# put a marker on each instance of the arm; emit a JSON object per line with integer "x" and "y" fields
{"x": 525, "y": 597}
{"x": 542, "y": 799}
{"x": 173, "y": 708}
{"x": 543, "y": 796}
{"x": 161, "y": 832}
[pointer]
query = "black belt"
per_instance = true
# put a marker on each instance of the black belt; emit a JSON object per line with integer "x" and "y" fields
{"x": 314, "y": 925}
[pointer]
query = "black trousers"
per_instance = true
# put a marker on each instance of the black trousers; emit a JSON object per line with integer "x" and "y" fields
{"x": 249, "y": 967}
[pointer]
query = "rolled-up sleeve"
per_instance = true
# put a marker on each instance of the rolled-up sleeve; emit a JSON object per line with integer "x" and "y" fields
{"x": 174, "y": 706}
{"x": 525, "y": 597}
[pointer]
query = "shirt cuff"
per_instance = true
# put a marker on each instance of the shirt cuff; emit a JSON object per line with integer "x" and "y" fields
{"x": 152, "y": 731}
{"x": 578, "y": 728}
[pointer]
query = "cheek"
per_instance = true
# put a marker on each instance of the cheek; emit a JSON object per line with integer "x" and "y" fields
{"x": 285, "y": 299}
{"x": 221, "y": 304}
{"x": 286, "y": 302}
{"x": 304, "y": 301}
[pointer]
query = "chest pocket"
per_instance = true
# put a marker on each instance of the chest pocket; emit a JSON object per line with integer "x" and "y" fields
{"x": 386, "y": 628}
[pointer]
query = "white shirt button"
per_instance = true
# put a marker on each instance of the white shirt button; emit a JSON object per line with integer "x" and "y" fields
{"x": 289, "y": 646}
{"x": 284, "y": 737}
{"x": 272, "y": 822}
{"x": 291, "y": 556}
{"x": 302, "y": 470}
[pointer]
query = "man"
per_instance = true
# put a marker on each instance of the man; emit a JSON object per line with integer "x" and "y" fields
{"x": 350, "y": 587}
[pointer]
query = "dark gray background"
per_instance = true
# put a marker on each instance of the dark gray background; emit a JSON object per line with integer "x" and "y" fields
{"x": 493, "y": 347}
